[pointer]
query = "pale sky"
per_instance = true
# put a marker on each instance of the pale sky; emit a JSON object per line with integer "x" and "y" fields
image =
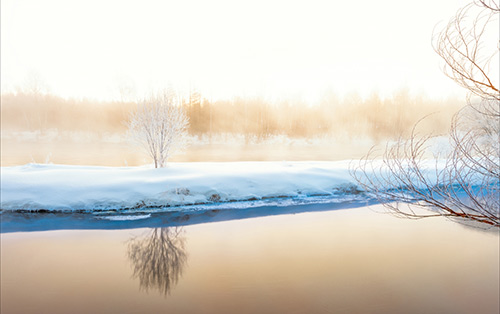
{"x": 92, "y": 48}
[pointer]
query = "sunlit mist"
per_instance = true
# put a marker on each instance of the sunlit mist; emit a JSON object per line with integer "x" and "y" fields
{"x": 110, "y": 50}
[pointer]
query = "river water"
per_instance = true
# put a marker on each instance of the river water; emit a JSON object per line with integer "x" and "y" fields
{"x": 338, "y": 261}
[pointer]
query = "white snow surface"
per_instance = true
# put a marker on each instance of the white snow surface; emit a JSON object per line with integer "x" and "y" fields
{"x": 67, "y": 188}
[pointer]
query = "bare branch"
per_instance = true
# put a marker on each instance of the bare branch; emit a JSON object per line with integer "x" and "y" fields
{"x": 459, "y": 44}
{"x": 491, "y": 4}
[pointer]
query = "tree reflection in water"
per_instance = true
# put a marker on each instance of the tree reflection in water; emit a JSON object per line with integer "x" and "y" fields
{"x": 158, "y": 258}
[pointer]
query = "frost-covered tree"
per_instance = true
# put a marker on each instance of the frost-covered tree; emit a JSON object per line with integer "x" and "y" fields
{"x": 159, "y": 125}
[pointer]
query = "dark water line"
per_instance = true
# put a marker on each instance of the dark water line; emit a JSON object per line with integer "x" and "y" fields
{"x": 27, "y": 222}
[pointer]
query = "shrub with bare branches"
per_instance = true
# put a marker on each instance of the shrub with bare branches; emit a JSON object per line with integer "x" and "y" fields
{"x": 465, "y": 182}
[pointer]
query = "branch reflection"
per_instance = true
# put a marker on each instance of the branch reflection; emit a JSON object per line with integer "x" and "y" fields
{"x": 158, "y": 258}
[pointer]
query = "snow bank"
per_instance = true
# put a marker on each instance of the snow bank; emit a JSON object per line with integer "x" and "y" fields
{"x": 68, "y": 188}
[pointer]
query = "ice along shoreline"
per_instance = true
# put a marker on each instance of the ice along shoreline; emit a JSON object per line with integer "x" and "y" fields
{"x": 14, "y": 221}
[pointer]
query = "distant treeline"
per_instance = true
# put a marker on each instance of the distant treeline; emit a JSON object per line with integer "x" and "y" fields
{"x": 350, "y": 116}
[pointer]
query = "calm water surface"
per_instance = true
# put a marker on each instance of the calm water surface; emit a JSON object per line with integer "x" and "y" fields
{"x": 342, "y": 261}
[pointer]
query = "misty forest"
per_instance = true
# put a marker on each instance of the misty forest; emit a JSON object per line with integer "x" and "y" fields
{"x": 30, "y": 114}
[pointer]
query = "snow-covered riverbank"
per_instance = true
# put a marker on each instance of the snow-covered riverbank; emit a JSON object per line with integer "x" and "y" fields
{"x": 72, "y": 188}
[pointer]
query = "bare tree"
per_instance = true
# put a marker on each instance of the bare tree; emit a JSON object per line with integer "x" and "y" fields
{"x": 158, "y": 258}
{"x": 159, "y": 124}
{"x": 465, "y": 183}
